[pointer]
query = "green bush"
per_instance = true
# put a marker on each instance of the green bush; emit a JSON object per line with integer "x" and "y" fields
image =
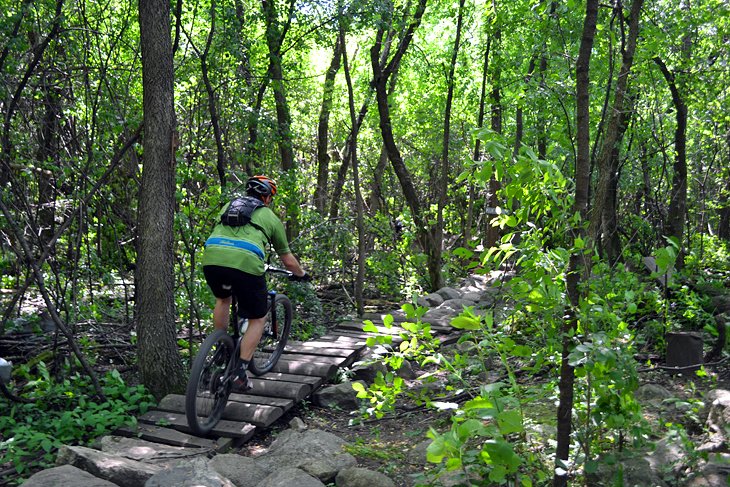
{"x": 63, "y": 412}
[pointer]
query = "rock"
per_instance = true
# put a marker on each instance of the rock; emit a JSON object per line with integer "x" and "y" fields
{"x": 634, "y": 469}
{"x": 315, "y": 451}
{"x": 430, "y": 300}
{"x": 341, "y": 396}
{"x": 449, "y": 293}
{"x": 474, "y": 296}
{"x": 242, "y": 471}
{"x": 669, "y": 455}
{"x": 287, "y": 477}
{"x": 715, "y": 473}
{"x": 65, "y": 475}
{"x": 719, "y": 412}
{"x": 326, "y": 469}
{"x": 119, "y": 470}
{"x": 368, "y": 371}
{"x": 362, "y": 477}
{"x": 406, "y": 371}
{"x": 146, "y": 451}
{"x": 189, "y": 473}
{"x": 718, "y": 419}
{"x": 652, "y": 394}
{"x": 456, "y": 306}
{"x": 438, "y": 316}
{"x": 417, "y": 454}
{"x": 297, "y": 424}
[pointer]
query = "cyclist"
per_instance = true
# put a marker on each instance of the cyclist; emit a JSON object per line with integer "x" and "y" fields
{"x": 233, "y": 263}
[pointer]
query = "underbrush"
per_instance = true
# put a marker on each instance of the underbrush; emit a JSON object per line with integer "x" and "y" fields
{"x": 61, "y": 411}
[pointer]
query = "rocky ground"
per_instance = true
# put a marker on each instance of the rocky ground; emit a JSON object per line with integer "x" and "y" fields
{"x": 391, "y": 450}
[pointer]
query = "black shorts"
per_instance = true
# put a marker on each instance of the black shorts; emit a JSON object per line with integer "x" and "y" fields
{"x": 250, "y": 291}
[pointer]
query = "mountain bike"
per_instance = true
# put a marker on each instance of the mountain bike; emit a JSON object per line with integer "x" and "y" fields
{"x": 213, "y": 370}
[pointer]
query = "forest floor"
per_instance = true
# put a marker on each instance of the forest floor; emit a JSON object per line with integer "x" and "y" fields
{"x": 382, "y": 444}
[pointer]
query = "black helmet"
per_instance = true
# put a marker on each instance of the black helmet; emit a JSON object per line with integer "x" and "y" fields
{"x": 260, "y": 186}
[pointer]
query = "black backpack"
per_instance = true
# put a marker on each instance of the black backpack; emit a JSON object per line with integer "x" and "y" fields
{"x": 240, "y": 210}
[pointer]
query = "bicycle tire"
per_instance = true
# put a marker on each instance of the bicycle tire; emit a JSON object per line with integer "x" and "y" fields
{"x": 207, "y": 391}
{"x": 273, "y": 340}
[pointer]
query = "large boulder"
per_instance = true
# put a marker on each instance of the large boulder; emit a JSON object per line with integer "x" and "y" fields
{"x": 340, "y": 396}
{"x": 288, "y": 477}
{"x": 362, "y": 477}
{"x": 119, "y": 470}
{"x": 190, "y": 473}
{"x": 66, "y": 475}
{"x": 314, "y": 451}
{"x": 242, "y": 471}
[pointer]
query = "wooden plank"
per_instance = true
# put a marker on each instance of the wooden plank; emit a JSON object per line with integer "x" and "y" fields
{"x": 169, "y": 436}
{"x": 342, "y": 339}
{"x": 285, "y": 404}
{"x": 393, "y": 330}
{"x": 313, "y": 382}
{"x": 287, "y": 366}
{"x": 228, "y": 429}
{"x": 319, "y": 348}
{"x": 260, "y": 415}
{"x": 317, "y": 359}
{"x": 287, "y": 390}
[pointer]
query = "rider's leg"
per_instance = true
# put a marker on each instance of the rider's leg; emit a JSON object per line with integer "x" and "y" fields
{"x": 251, "y": 337}
{"x": 221, "y": 312}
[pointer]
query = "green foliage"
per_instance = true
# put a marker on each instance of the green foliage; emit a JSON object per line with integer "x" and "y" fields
{"x": 417, "y": 344}
{"x": 484, "y": 440}
{"x": 63, "y": 412}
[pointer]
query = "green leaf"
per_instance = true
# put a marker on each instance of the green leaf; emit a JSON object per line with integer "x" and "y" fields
{"x": 510, "y": 421}
{"x": 388, "y": 321}
{"x": 466, "y": 323}
{"x": 368, "y": 325}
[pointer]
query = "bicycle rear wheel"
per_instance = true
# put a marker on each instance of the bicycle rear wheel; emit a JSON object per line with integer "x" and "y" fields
{"x": 208, "y": 388}
{"x": 273, "y": 340}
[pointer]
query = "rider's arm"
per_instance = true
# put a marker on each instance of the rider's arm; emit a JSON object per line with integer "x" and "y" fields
{"x": 292, "y": 264}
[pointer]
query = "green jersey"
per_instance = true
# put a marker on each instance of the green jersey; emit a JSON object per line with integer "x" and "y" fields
{"x": 244, "y": 247}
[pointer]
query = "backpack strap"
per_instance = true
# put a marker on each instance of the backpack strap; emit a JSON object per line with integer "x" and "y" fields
{"x": 240, "y": 210}
{"x": 239, "y": 213}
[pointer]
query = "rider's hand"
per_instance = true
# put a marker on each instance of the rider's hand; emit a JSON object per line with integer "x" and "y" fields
{"x": 303, "y": 278}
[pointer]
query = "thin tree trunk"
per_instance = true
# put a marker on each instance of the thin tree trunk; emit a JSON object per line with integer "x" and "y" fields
{"x": 723, "y": 207}
{"x": 437, "y": 232}
{"x": 360, "y": 217}
{"x": 492, "y": 233}
{"x": 160, "y": 365}
{"x": 323, "y": 157}
{"x": 274, "y": 40}
{"x": 603, "y": 204}
{"x": 674, "y": 226}
{"x": 380, "y": 80}
{"x": 578, "y": 262}
{"x": 221, "y": 163}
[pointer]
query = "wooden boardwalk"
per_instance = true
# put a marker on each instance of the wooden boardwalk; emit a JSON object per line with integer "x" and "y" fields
{"x": 302, "y": 369}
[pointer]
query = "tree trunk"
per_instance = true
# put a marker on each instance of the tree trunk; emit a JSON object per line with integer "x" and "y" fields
{"x": 674, "y": 226}
{"x": 274, "y": 40}
{"x": 221, "y": 163}
{"x": 380, "y": 80}
{"x": 578, "y": 262}
{"x": 492, "y": 233}
{"x": 160, "y": 365}
{"x": 604, "y": 209}
{"x": 323, "y": 157}
{"x": 723, "y": 208}
{"x": 437, "y": 232}
{"x": 360, "y": 217}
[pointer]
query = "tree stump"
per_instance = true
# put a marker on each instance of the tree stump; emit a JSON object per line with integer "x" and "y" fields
{"x": 684, "y": 351}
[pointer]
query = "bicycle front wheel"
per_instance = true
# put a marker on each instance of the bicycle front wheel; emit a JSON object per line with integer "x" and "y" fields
{"x": 276, "y": 333}
{"x": 208, "y": 387}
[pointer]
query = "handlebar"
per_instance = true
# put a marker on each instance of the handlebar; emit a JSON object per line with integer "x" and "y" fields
{"x": 277, "y": 270}
{"x": 292, "y": 277}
